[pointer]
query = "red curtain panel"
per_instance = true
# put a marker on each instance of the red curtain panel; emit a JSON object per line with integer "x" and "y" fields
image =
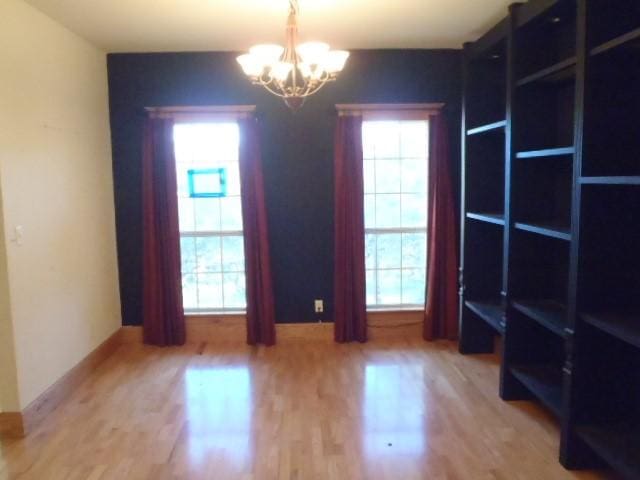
{"x": 163, "y": 314}
{"x": 350, "y": 314}
{"x": 260, "y": 302}
{"x": 441, "y": 311}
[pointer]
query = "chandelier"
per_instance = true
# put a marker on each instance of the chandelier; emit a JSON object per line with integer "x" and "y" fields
{"x": 293, "y": 72}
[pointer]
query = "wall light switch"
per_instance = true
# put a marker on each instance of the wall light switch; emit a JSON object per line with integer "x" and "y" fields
{"x": 319, "y": 306}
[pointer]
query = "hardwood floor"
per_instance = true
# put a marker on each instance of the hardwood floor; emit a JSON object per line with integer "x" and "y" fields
{"x": 393, "y": 410}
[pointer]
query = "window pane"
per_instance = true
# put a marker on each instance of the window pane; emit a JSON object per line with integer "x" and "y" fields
{"x": 389, "y": 287}
{"x": 182, "y": 178}
{"x": 414, "y": 210}
{"x": 414, "y": 250}
{"x": 414, "y": 176}
{"x": 226, "y": 142}
{"x": 189, "y": 291}
{"x": 234, "y": 290}
{"x": 233, "y": 179}
{"x": 371, "y": 287}
{"x": 368, "y": 140}
{"x": 232, "y": 254}
{"x": 207, "y": 214}
{"x": 183, "y": 145}
{"x": 185, "y": 214}
{"x": 214, "y": 143}
{"x": 369, "y": 211}
{"x": 231, "y": 211}
{"x": 413, "y": 285}
{"x": 369, "y": 176}
{"x": 207, "y": 182}
{"x": 370, "y": 251}
{"x": 389, "y": 250}
{"x": 210, "y": 290}
{"x": 208, "y": 249}
{"x": 387, "y": 210}
{"x": 388, "y": 181}
{"x": 386, "y": 137}
{"x": 188, "y": 254}
{"x": 414, "y": 139}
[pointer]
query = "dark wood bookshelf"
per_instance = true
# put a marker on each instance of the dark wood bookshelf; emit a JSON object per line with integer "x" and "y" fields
{"x": 490, "y": 41}
{"x": 612, "y": 143}
{"x": 544, "y": 382}
{"x": 494, "y": 218}
{"x": 547, "y": 152}
{"x": 491, "y": 127}
{"x": 539, "y": 11}
{"x": 624, "y": 40}
{"x": 548, "y": 229}
{"x": 485, "y": 131}
{"x": 491, "y": 311}
{"x": 549, "y": 313}
{"x": 560, "y": 171}
{"x": 624, "y": 326}
{"x": 616, "y": 444}
{"x": 620, "y": 180}
{"x": 559, "y": 72}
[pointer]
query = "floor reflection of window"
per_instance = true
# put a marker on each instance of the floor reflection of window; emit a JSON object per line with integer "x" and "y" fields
{"x": 393, "y": 411}
{"x": 219, "y": 413}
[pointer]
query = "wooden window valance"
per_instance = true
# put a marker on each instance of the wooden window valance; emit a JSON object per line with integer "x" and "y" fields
{"x": 391, "y": 111}
{"x": 203, "y": 113}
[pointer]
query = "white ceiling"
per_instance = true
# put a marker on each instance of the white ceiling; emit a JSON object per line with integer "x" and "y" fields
{"x": 207, "y": 25}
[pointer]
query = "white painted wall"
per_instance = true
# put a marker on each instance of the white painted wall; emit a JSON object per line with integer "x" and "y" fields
{"x": 56, "y": 183}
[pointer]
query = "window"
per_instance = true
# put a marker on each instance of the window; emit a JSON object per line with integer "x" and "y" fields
{"x": 210, "y": 213}
{"x": 395, "y": 204}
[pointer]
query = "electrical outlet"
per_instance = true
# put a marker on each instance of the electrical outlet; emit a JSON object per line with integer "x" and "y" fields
{"x": 319, "y": 306}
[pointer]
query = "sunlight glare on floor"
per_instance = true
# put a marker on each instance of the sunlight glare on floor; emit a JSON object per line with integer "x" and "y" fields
{"x": 218, "y": 406}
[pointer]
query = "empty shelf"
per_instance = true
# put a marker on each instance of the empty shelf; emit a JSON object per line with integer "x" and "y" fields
{"x": 548, "y": 229}
{"x": 495, "y": 218}
{"x": 490, "y": 311}
{"x": 550, "y": 314}
{"x": 543, "y": 381}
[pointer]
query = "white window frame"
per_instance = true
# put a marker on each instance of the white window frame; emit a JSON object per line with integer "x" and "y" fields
{"x": 395, "y": 113}
{"x": 213, "y": 114}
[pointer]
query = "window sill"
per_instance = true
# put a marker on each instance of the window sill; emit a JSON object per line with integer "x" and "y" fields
{"x": 394, "y": 309}
{"x": 230, "y": 313}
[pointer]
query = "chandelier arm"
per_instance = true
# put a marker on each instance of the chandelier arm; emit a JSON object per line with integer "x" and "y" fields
{"x": 325, "y": 77}
{"x": 269, "y": 88}
{"x": 313, "y": 90}
{"x": 264, "y": 79}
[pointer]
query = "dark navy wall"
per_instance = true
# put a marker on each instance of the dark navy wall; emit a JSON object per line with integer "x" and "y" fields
{"x": 297, "y": 152}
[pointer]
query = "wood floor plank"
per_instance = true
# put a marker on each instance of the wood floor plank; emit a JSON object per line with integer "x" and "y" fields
{"x": 385, "y": 410}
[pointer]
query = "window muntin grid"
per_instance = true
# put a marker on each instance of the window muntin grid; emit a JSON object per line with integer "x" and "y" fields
{"x": 211, "y": 238}
{"x": 395, "y": 198}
